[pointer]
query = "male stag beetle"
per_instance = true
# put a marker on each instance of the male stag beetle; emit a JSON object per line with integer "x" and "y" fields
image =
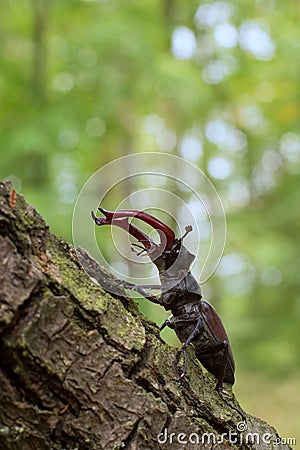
{"x": 193, "y": 319}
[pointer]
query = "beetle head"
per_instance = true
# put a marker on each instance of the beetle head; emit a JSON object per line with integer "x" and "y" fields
{"x": 169, "y": 255}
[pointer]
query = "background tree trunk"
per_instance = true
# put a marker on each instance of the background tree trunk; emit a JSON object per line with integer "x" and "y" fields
{"x": 81, "y": 369}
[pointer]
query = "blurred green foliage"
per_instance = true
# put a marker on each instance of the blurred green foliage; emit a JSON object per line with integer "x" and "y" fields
{"x": 80, "y": 79}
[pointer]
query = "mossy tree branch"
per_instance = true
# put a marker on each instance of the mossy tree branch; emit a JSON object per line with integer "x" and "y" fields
{"x": 82, "y": 369}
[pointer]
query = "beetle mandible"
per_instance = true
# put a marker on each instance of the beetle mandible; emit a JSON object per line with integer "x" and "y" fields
{"x": 193, "y": 319}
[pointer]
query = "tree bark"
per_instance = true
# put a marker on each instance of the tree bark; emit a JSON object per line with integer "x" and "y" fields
{"x": 81, "y": 369}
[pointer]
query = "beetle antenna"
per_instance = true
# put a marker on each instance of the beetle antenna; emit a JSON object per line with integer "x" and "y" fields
{"x": 188, "y": 229}
{"x": 138, "y": 246}
{"x": 141, "y": 251}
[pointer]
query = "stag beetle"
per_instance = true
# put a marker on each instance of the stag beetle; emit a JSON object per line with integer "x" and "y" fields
{"x": 193, "y": 319}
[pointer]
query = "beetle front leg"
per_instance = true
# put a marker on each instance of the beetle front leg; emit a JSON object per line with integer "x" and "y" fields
{"x": 174, "y": 322}
{"x": 142, "y": 290}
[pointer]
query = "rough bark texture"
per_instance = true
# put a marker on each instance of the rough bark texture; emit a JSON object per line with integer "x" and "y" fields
{"x": 81, "y": 369}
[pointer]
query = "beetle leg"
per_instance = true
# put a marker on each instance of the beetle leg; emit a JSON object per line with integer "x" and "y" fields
{"x": 183, "y": 351}
{"x": 215, "y": 348}
{"x": 166, "y": 322}
{"x": 187, "y": 342}
{"x": 235, "y": 408}
{"x": 193, "y": 333}
{"x": 172, "y": 322}
{"x": 142, "y": 290}
{"x": 223, "y": 345}
{"x": 156, "y": 287}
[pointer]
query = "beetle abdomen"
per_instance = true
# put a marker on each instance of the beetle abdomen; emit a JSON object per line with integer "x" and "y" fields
{"x": 213, "y": 363}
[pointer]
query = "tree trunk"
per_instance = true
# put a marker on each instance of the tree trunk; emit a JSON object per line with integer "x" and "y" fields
{"x": 81, "y": 369}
